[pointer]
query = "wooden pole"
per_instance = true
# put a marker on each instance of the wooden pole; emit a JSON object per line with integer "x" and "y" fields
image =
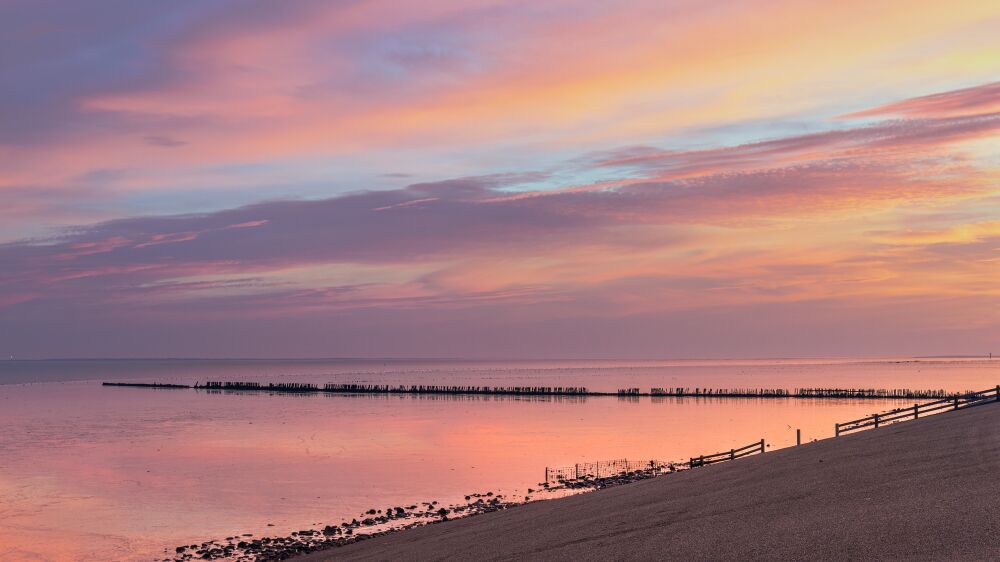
{"x": 798, "y": 436}
{"x": 762, "y": 446}
{"x": 836, "y": 430}
{"x": 956, "y": 402}
{"x": 916, "y": 411}
{"x": 732, "y": 454}
{"x": 876, "y": 421}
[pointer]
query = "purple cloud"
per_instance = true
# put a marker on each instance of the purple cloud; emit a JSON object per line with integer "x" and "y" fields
{"x": 476, "y": 247}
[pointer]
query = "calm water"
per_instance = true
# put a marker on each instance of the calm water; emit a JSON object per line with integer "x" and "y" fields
{"x": 93, "y": 473}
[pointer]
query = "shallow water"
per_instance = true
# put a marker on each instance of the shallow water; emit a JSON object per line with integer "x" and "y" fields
{"x": 95, "y": 473}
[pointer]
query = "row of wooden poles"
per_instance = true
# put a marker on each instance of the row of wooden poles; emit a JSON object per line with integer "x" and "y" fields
{"x": 399, "y": 389}
{"x": 889, "y": 393}
{"x": 679, "y": 392}
{"x": 901, "y": 393}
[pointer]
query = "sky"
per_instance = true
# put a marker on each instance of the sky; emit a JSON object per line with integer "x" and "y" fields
{"x": 502, "y": 179}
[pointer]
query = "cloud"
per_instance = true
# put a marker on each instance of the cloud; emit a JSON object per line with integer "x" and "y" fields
{"x": 632, "y": 238}
{"x": 372, "y": 81}
{"x": 448, "y": 233}
{"x": 883, "y": 140}
{"x": 163, "y": 141}
{"x": 984, "y": 98}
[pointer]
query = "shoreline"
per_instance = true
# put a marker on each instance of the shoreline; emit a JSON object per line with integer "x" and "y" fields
{"x": 396, "y": 519}
{"x": 905, "y": 491}
{"x": 374, "y": 523}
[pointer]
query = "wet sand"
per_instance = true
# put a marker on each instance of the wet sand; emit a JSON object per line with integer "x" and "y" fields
{"x": 919, "y": 490}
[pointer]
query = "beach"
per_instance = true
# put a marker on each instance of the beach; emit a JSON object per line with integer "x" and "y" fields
{"x": 918, "y": 490}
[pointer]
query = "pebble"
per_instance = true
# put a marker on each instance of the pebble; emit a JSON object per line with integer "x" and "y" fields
{"x": 375, "y": 523}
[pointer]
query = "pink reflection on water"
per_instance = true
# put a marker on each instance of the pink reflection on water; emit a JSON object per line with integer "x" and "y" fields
{"x": 98, "y": 473}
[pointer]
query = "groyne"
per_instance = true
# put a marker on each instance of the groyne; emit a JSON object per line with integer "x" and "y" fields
{"x": 147, "y": 384}
{"x": 656, "y": 392}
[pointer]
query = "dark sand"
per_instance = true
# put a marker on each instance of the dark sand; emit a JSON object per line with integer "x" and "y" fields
{"x": 919, "y": 490}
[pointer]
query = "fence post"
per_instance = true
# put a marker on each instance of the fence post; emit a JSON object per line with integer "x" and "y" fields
{"x": 916, "y": 411}
{"x": 836, "y": 429}
{"x": 956, "y": 402}
{"x": 998, "y": 393}
{"x": 762, "y": 446}
{"x": 798, "y": 436}
{"x": 876, "y": 421}
{"x": 732, "y": 454}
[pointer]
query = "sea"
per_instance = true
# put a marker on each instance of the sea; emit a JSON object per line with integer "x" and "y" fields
{"x": 89, "y": 472}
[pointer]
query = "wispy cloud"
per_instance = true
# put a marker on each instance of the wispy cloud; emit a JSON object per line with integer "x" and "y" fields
{"x": 984, "y": 98}
{"x": 784, "y": 220}
{"x": 168, "y": 170}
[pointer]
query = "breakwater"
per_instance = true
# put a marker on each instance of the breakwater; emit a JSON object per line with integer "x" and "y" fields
{"x": 886, "y": 393}
{"x": 147, "y": 384}
{"x": 656, "y": 392}
{"x": 403, "y": 389}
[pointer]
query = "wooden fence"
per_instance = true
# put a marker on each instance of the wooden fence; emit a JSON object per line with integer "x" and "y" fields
{"x": 959, "y": 402}
{"x": 602, "y": 469}
{"x": 729, "y": 455}
{"x": 607, "y": 469}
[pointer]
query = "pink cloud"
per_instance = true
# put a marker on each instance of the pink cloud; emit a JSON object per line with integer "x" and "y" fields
{"x": 248, "y": 224}
{"x": 799, "y": 222}
{"x": 984, "y": 98}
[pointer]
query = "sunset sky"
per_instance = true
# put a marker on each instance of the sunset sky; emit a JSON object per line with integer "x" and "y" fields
{"x": 567, "y": 178}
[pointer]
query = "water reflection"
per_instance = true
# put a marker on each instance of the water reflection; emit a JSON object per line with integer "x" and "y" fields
{"x": 117, "y": 473}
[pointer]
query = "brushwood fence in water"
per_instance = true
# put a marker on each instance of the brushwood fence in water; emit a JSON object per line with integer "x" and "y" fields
{"x": 275, "y": 387}
{"x": 434, "y": 389}
{"x": 147, "y": 384}
{"x": 612, "y": 468}
{"x": 399, "y": 389}
{"x": 884, "y": 393}
{"x": 578, "y": 391}
{"x": 604, "y": 469}
{"x": 955, "y": 402}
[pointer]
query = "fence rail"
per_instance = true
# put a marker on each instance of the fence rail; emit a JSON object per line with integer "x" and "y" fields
{"x": 730, "y": 455}
{"x": 957, "y": 402}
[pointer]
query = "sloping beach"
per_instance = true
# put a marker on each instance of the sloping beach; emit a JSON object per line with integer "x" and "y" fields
{"x": 919, "y": 490}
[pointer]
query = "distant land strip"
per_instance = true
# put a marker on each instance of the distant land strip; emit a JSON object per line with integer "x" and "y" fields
{"x": 678, "y": 392}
